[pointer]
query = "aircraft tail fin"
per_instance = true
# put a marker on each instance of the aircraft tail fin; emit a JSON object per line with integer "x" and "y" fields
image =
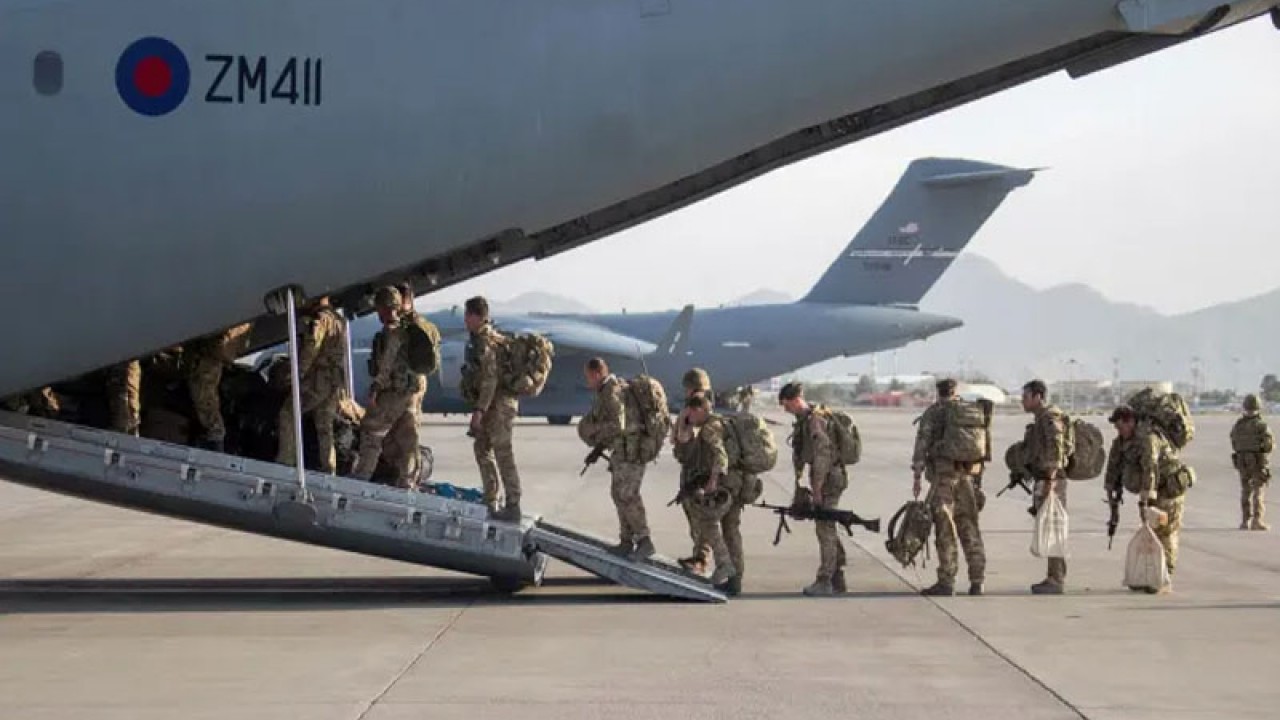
{"x": 676, "y": 340}
{"x": 938, "y": 205}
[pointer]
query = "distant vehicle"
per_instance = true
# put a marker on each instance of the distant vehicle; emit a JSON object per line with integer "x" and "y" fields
{"x": 864, "y": 302}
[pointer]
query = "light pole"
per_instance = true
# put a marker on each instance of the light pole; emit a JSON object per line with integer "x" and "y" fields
{"x": 1071, "y": 375}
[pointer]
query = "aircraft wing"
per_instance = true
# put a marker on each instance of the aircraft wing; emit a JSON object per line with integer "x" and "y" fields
{"x": 580, "y": 335}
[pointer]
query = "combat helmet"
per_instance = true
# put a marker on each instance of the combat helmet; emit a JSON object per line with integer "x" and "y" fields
{"x": 1251, "y": 403}
{"x": 696, "y": 379}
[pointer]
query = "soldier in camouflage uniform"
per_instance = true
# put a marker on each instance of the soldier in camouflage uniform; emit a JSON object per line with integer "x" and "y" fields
{"x": 745, "y": 397}
{"x": 1143, "y": 462}
{"x": 1045, "y": 446}
{"x": 1252, "y": 442}
{"x": 495, "y": 411}
{"x": 403, "y": 440}
{"x": 607, "y": 425}
{"x": 813, "y": 446}
{"x": 694, "y": 382}
{"x": 124, "y": 397}
{"x": 391, "y": 392}
{"x": 40, "y": 403}
{"x": 953, "y": 500}
{"x": 700, "y": 450}
{"x": 322, "y": 353}
{"x": 207, "y": 357}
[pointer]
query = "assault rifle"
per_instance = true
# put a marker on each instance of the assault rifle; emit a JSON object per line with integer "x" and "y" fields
{"x": 1115, "y": 499}
{"x": 1017, "y": 479}
{"x": 844, "y": 518}
{"x": 596, "y": 453}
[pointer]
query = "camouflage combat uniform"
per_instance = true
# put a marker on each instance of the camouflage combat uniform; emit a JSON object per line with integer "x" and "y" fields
{"x": 952, "y": 500}
{"x": 1145, "y": 464}
{"x": 1045, "y": 445}
{"x": 606, "y": 424}
{"x": 322, "y": 354}
{"x": 813, "y": 446}
{"x": 1254, "y": 469}
{"x": 405, "y": 433}
{"x": 40, "y": 403}
{"x": 391, "y": 397}
{"x": 493, "y": 449}
{"x": 696, "y": 381}
{"x": 124, "y": 397}
{"x": 207, "y": 357}
{"x": 702, "y": 456}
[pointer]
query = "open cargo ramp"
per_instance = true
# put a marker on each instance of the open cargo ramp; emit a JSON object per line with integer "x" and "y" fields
{"x": 335, "y": 512}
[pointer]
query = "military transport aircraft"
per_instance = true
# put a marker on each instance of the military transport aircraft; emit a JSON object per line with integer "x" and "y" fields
{"x": 865, "y": 302}
{"x": 169, "y": 168}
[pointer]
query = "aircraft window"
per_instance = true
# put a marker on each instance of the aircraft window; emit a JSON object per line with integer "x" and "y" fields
{"x": 47, "y": 73}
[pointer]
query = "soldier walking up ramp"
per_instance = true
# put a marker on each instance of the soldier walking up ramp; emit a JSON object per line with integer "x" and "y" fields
{"x": 335, "y": 512}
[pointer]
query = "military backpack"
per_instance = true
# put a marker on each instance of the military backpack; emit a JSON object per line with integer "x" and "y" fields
{"x": 423, "y": 344}
{"x": 1168, "y": 412}
{"x": 965, "y": 433}
{"x": 645, "y": 401}
{"x": 524, "y": 363}
{"x": 1250, "y": 434}
{"x": 749, "y": 443}
{"x": 1087, "y": 451}
{"x": 909, "y": 530}
{"x": 844, "y": 434}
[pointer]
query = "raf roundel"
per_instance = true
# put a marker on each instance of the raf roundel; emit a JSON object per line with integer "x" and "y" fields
{"x": 153, "y": 77}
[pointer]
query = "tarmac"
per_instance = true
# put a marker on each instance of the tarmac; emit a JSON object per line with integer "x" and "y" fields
{"x": 110, "y": 614}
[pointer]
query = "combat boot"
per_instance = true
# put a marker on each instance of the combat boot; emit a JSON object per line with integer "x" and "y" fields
{"x": 622, "y": 549}
{"x": 838, "y": 584}
{"x": 939, "y": 588}
{"x": 644, "y": 549}
{"x": 722, "y": 574}
{"x": 1259, "y": 525}
{"x": 976, "y": 590}
{"x": 819, "y": 588}
{"x": 213, "y": 445}
{"x": 1047, "y": 587}
{"x": 510, "y": 513}
{"x": 731, "y": 587}
{"x": 1245, "y": 524}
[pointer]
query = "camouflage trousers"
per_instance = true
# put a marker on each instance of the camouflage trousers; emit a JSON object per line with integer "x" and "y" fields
{"x": 633, "y": 525}
{"x": 701, "y": 552}
{"x": 831, "y": 557}
{"x": 1057, "y": 571}
{"x": 404, "y": 440}
{"x": 1168, "y": 533}
{"x": 203, "y": 380}
{"x": 494, "y": 453}
{"x": 1253, "y": 495}
{"x": 124, "y": 397}
{"x": 320, "y": 402}
{"x": 707, "y": 519}
{"x": 388, "y": 409}
{"x": 953, "y": 503}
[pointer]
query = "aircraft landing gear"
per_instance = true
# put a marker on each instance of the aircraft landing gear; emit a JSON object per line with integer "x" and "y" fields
{"x": 559, "y": 419}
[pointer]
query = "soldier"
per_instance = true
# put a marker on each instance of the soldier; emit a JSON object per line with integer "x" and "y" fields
{"x": 322, "y": 353}
{"x": 208, "y": 356}
{"x": 39, "y": 403}
{"x": 1143, "y": 462}
{"x": 745, "y": 397}
{"x": 391, "y": 392}
{"x": 403, "y": 437}
{"x": 495, "y": 411}
{"x": 124, "y": 397}
{"x": 695, "y": 382}
{"x": 1252, "y": 443}
{"x": 812, "y": 445}
{"x": 700, "y": 450}
{"x": 953, "y": 499}
{"x": 1045, "y": 445}
{"x": 607, "y": 425}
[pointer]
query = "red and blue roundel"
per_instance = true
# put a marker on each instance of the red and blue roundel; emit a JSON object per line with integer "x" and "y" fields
{"x": 153, "y": 77}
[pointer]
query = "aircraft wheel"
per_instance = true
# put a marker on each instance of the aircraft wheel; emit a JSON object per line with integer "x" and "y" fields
{"x": 559, "y": 419}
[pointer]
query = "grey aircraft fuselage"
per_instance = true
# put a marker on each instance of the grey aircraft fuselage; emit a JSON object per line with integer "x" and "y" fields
{"x": 743, "y": 344}
{"x": 168, "y": 165}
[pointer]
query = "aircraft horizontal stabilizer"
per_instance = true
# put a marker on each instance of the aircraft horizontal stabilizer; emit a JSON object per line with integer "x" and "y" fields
{"x": 1013, "y": 176}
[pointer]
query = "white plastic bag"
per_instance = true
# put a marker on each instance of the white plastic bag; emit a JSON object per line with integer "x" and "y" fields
{"x": 1144, "y": 564}
{"x": 1049, "y": 539}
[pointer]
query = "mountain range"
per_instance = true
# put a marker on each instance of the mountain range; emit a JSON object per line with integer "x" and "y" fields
{"x": 1014, "y": 332}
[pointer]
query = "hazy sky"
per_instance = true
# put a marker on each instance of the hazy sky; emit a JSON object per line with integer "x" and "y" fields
{"x": 1162, "y": 190}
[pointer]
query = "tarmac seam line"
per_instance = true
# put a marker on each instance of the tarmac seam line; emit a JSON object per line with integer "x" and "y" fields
{"x": 413, "y": 663}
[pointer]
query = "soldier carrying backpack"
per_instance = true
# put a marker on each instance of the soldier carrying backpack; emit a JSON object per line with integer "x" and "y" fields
{"x": 953, "y": 440}
{"x": 827, "y": 442}
{"x": 1252, "y": 443}
{"x": 487, "y": 386}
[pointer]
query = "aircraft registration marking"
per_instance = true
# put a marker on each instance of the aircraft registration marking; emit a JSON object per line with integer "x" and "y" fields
{"x": 239, "y": 78}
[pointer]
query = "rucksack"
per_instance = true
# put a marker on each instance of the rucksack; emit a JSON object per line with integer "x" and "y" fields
{"x": 909, "y": 530}
{"x": 1250, "y": 434}
{"x": 844, "y": 433}
{"x": 423, "y": 345}
{"x": 749, "y": 443}
{"x": 524, "y": 363}
{"x": 1168, "y": 412}
{"x": 965, "y": 432}
{"x": 1088, "y": 451}
{"x": 646, "y": 403}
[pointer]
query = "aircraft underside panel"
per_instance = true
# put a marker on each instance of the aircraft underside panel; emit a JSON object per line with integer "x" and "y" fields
{"x": 590, "y": 553}
{"x": 340, "y": 513}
